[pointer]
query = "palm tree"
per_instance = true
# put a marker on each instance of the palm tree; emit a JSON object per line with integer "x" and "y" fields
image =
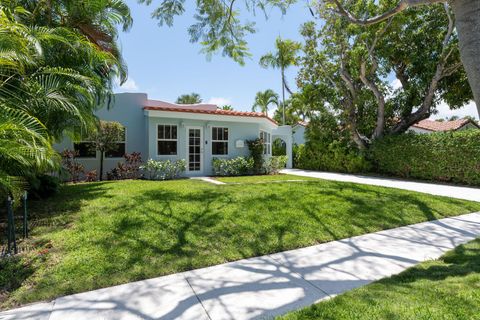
{"x": 227, "y": 107}
{"x": 284, "y": 57}
{"x": 263, "y": 99}
{"x": 192, "y": 98}
{"x": 51, "y": 80}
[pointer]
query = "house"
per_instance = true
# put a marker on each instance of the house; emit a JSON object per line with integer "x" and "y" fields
{"x": 298, "y": 131}
{"x": 429, "y": 126}
{"x": 166, "y": 131}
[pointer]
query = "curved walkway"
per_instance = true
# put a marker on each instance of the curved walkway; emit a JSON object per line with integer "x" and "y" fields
{"x": 465, "y": 193}
{"x": 266, "y": 286}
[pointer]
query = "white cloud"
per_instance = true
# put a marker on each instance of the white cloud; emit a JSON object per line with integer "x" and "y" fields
{"x": 219, "y": 101}
{"x": 445, "y": 112}
{"x": 129, "y": 86}
{"x": 396, "y": 84}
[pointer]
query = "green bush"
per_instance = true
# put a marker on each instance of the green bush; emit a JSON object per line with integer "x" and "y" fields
{"x": 274, "y": 164}
{"x": 42, "y": 186}
{"x": 444, "y": 156}
{"x": 232, "y": 167}
{"x": 256, "y": 152}
{"x": 329, "y": 148}
{"x": 163, "y": 170}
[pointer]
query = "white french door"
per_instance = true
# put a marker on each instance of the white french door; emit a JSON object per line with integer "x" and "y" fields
{"x": 195, "y": 149}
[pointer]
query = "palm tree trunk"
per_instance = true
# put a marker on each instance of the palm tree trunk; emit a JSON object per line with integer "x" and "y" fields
{"x": 283, "y": 94}
{"x": 467, "y": 20}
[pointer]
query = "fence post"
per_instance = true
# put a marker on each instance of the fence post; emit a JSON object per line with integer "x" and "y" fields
{"x": 11, "y": 227}
{"x": 25, "y": 215}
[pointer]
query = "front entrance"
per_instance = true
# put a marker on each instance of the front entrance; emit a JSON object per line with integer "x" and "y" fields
{"x": 195, "y": 149}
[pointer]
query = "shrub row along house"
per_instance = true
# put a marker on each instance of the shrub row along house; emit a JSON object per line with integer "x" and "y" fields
{"x": 197, "y": 133}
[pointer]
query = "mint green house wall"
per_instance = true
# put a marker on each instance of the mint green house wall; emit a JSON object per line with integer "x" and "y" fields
{"x": 236, "y": 131}
{"x": 141, "y": 132}
{"x": 127, "y": 109}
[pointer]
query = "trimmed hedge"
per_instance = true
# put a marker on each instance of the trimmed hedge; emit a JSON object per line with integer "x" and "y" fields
{"x": 444, "y": 156}
{"x": 334, "y": 157}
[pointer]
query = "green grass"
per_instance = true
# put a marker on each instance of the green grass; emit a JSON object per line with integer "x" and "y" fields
{"x": 448, "y": 288}
{"x": 265, "y": 179}
{"x": 101, "y": 234}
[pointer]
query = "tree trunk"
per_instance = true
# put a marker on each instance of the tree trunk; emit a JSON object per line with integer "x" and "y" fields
{"x": 467, "y": 21}
{"x": 102, "y": 153}
{"x": 283, "y": 95}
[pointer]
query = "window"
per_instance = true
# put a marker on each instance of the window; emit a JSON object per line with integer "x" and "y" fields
{"x": 167, "y": 140}
{"x": 120, "y": 148}
{"x": 85, "y": 149}
{"x": 267, "y": 142}
{"x": 219, "y": 141}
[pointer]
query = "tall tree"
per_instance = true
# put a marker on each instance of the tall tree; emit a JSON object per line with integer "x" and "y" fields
{"x": 349, "y": 66}
{"x": 284, "y": 56}
{"x": 466, "y": 19}
{"x": 264, "y": 99}
{"x": 192, "y": 98}
{"x": 218, "y": 26}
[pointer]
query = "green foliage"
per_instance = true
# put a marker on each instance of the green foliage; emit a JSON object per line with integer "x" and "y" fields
{"x": 264, "y": 99}
{"x": 279, "y": 147}
{"x": 58, "y": 61}
{"x": 329, "y": 148}
{"x": 444, "y": 156}
{"x": 42, "y": 186}
{"x": 274, "y": 164}
{"x": 192, "y": 98}
{"x": 256, "y": 148}
{"x": 238, "y": 166}
{"x": 164, "y": 170}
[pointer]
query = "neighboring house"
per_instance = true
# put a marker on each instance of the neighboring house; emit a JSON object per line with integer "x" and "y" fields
{"x": 298, "y": 131}
{"x": 429, "y": 126}
{"x": 167, "y": 131}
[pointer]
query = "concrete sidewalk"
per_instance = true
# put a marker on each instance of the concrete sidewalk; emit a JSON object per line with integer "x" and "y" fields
{"x": 465, "y": 193}
{"x": 265, "y": 286}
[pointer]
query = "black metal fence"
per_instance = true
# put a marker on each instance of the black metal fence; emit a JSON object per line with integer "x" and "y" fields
{"x": 12, "y": 217}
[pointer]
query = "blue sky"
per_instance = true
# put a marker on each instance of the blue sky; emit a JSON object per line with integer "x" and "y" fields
{"x": 163, "y": 63}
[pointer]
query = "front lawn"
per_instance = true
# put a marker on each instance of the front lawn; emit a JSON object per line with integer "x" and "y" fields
{"x": 447, "y": 289}
{"x": 102, "y": 234}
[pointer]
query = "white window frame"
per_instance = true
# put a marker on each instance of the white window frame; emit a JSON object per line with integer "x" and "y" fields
{"x": 223, "y": 141}
{"x": 267, "y": 143}
{"x": 158, "y": 139}
{"x": 124, "y": 142}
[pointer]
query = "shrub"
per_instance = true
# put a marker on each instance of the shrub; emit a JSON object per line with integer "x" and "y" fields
{"x": 42, "y": 186}
{"x": 274, "y": 164}
{"x": 74, "y": 169}
{"x": 256, "y": 152}
{"x": 129, "y": 169}
{"x": 443, "y": 156}
{"x": 329, "y": 148}
{"x": 233, "y": 167}
{"x": 164, "y": 170}
{"x": 91, "y": 176}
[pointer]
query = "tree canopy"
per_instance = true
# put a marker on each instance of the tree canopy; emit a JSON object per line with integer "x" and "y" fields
{"x": 191, "y": 98}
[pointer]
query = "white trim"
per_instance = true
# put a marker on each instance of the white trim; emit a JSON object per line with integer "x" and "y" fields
{"x": 210, "y": 117}
{"x": 202, "y": 148}
{"x": 267, "y": 143}
{"x": 158, "y": 139}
